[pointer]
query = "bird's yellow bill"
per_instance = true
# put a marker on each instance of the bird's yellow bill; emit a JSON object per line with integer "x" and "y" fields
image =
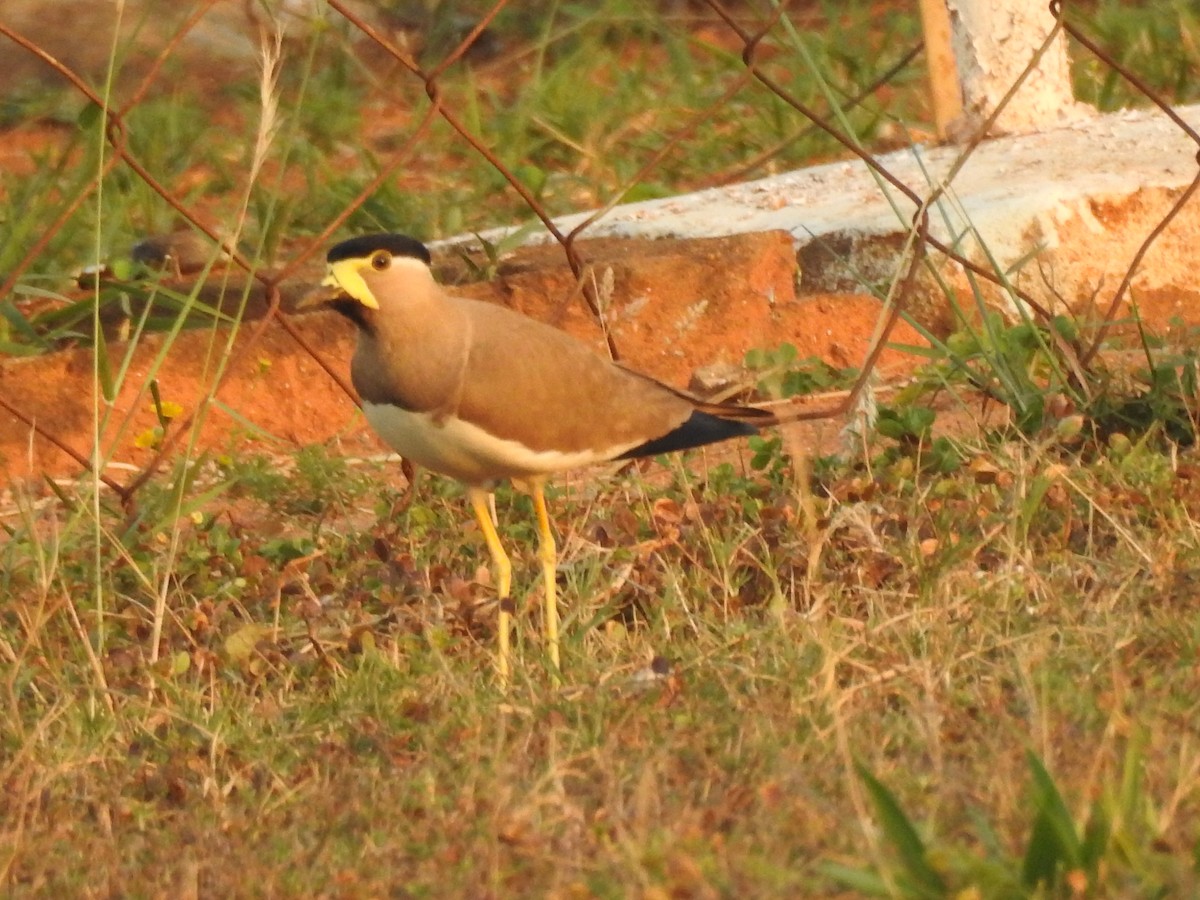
{"x": 346, "y": 276}
{"x": 319, "y": 296}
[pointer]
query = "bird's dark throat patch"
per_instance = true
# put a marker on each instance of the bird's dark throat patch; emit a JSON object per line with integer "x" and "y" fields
{"x": 355, "y": 312}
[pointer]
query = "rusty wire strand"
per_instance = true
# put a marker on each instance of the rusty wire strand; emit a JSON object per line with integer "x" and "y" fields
{"x": 433, "y": 91}
{"x": 747, "y": 169}
{"x": 751, "y": 43}
{"x": 139, "y": 93}
{"x": 1109, "y": 317}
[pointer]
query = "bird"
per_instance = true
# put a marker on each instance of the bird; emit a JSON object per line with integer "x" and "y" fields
{"x": 480, "y": 393}
{"x": 179, "y": 253}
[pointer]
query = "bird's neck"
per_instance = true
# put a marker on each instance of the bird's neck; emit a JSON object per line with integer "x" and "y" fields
{"x": 413, "y": 358}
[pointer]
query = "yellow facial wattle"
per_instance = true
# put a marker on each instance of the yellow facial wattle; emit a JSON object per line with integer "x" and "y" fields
{"x": 346, "y": 275}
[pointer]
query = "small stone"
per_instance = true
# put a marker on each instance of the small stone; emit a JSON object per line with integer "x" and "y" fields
{"x": 709, "y": 380}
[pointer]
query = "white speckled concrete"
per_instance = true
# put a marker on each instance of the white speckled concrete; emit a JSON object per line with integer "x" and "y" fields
{"x": 1019, "y": 192}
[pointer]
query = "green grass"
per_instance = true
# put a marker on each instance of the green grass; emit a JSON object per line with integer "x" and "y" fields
{"x": 321, "y": 716}
{"x": 1157, "y": 44}
{"x": 958, "y": 663}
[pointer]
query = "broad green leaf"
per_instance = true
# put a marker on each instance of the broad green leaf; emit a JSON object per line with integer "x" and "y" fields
{"x": 903, "y": 836}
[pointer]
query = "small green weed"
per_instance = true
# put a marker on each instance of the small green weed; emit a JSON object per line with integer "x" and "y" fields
{"x": 1033, "y": 371}
{"x": 780, "y": 373}
{"x": 1112, "y": 853}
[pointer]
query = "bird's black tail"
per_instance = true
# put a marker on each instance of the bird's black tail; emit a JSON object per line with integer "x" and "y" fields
{"x": 709, "y": 423}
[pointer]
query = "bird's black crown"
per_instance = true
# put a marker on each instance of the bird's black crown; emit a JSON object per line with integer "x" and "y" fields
{"x": 366, "y": 244}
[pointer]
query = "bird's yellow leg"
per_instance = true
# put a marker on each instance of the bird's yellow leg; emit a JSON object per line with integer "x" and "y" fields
{"x": 548, "y": 554}
{"x": 483, "y": 513}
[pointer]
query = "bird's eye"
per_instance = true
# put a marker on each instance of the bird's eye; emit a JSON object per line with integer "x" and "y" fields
{"x": 381, "y": 260}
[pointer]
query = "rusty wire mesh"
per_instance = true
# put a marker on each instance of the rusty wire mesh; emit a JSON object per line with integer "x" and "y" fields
{"x": 380, "y": 70}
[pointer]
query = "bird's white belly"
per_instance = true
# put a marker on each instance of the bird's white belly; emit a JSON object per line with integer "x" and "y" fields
{"x": 464, "y": 451}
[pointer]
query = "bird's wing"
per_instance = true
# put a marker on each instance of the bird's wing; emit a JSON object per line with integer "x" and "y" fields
{"x": 529, "y": 382}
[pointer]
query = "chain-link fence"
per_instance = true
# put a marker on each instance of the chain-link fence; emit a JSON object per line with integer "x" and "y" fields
{"x": 241, "y": 138}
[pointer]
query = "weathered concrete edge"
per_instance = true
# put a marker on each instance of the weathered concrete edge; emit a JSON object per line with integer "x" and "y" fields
{"x": 1019, "y": 194}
